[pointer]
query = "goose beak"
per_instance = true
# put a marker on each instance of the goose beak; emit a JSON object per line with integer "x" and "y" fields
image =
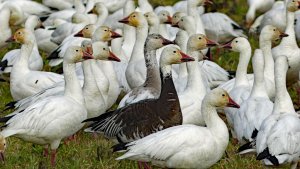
{"x": 2, "y": 156}
{"x": 175, "y": 25}
{"x": 210, "y": 43}
{"x": 282, "y": 35}
{"x": 79, "y": 34}
{"x": 11, "y": 39}
{"x": 227, "y": 45}
{"x": 186, "y": 58}
{"x": 115, "y": 35}
{"x": 91, "y": 11}
{"x": 87, "y": 56}
{"x": 89, "y": 50}
{"x": 167, "y": 42}
{"x": 298, "y": 4}
{"x": 232, "y": 103}
{"x": 125, "y": 20}
{"x": 208, "y": 2}
{"x": 113, "y": 57}
{"x": 169, "y": 21}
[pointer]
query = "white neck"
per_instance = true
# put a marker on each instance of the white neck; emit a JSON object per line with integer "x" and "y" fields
{"x": 128, "y": 31}
{"x": 79, "y": 6}
{"x": 290, "y": 30}
{"x": 258, "y": 89}
{"x": 193, "y": 11}
{"x": 195, "y": 81}
{"x": 145, "y": 6}
{"x": 163, "y": 30}
{"x": 72, "y": 85}
{"x": 101, "y": 18}
{"x": 153, "y": 76}
{"x": 4, "y": 19}
{"x": 251, "y": 12}
{"x": 265, "y": 46}
{"x": 215, "y": 124}
{"x": 154, "y": 29}
{"x": 166, "y": 70}
{"x": 138, "y": 49}
{"x": 241, "y": 72}
{"x": 283, "y": 101}
{"x": 22, "y": 65}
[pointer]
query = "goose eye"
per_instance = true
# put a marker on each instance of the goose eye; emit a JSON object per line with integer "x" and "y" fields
{"x": 182, "y": 20}
{"x": 174, "y": 51}
{"x": 146, "y": 16}
{"x": 274, "y": 30}
{"x": 104, "y": 49}
{"x": 76, "y": 50}
{"x": 133, "y": 16}
{"x": 223, "y": 95}
{"x": 236, "y": 41}
{"x": 86, "y": 28}
{"x": 200, "y": 38}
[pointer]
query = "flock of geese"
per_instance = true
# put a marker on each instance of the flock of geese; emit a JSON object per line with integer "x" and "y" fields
{"x": 157, "y": 58}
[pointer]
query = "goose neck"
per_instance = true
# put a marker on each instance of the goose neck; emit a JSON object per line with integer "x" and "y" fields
{"x": 154, "y": 29}
{"x": 266, "y": 47}
{"x": 241, "y": 72}
{"x": 258, "y": 89}
{"x": 214, "y": 123}
{"x": 283, "y": 101}
{"x": 193, "y": 11}
{"x": 141, "y": 36}
{"x": 101, "y": 18}
{"x": 291, "y": 39}
{"x": 72, "y": 85}
{"x": 4, "y": 19}
{"x": 195, "y": 82}
{"x": 251, "y": 12}
{"x": 153, "y": 75}
{"x": 88, "y": 75}
{"x": 79, "y": 6}
{"x": 23, "y": 62}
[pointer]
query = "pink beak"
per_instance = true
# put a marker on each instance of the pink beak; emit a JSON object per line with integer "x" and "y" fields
{"x": 113, "y": 57}
{"x": 186, "y": 58}
{"x": 232, "y": 103}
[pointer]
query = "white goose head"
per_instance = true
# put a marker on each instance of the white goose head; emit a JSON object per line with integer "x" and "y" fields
{"x": 219, "y": 98}
{"x": 22, "y": 36}
{"x": 76, "y": 54}
{"x": 293, "y": 5}
{"x": 199, "y": 42}
{"x": 152, "y": 18}
{"x": 172, "y": 55}
{"x": 239, "y": 44}
{"x": 165, "y": 17}
{"x": 176, "y": 18}
{"x": 80, "y": 18}
{"x": 135, "y": 19}
{"x": 33, "y": 22}
{"x": 99, "y": 9}
{"x": 271, "y": 33}
{"x": 101, "y": 52}
{"x": 156, "y": 41}
{"x": 87, "y": 31}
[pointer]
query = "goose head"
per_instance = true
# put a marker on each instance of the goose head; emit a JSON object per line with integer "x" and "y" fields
{"x": 172, "y": 55}
{"x": 199, "y": 42}
{"x": 2, "y": 147}
{"x": 87, "y": 31}
{"x": 238, "y": 44}
{"x": 293, "y": 5}
{"x": 22, "y": 36}
{"x": 105, "y": 34}
{"x": 165, "y": 17}
{"x": 101, "y": 52}
{"x": 99, "y": 9}
{"x": 76, "y": 54}
{"x": 219, "y": 98}
{"x": 135, "y": 19}
{"x": 271, "y": 33}
{"x": 80, "y": 18}
{"x": 176, "y": 18}
{"x": 152, "y": 18}
{"x": 156, "y": 41}
{"x": 187, "y": 23}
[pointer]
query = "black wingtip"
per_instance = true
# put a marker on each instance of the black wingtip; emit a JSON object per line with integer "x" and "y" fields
{"x": 266, "y": 155}
{"x": 44, "y": 18}
{"x": 3, "y": 65}
{"x": 231, "y": 74}
{"x": 254, "y": 134}
{"x": 53, "y": 55}
{"x": 245, "y": 147}
{"x": 5, "y": 119}
{"x": 119, "y": 147}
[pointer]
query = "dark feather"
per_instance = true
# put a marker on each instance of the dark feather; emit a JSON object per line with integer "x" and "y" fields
{"x": 266, "y": 155}
{"x": 245, "y": 147}
{"x": 5, "y": 119}
{"x": 43, "y": 18}
{"x": 119, "y": 147}
{"x": 3, "y": 65}
{"x": 54, "y": 54}
{"x": 254, "y": 134}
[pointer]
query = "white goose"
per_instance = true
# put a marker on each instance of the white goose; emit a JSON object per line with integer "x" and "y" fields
{"x": 241, "y": 89}
{"x": 26, "y": 82}
{"x": 39, "y": 123}
{"x": 5, "y": 32}
{"x": 278, "y": 137}
{"x": 195, "y": 147}
{"x": 35, "y": 59}
{"x": 136, "y": 69}
{"x": 257, "y": 5}
{"x": 288, "y": 46}
{"x": 59, "y": 4}
{"x": 257, "y": 107}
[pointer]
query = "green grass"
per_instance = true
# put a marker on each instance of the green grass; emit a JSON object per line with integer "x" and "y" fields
{"x": 88, "y": 152}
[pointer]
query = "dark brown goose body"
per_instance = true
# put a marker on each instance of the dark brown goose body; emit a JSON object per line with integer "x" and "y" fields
{"x": 140, "y": 119}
